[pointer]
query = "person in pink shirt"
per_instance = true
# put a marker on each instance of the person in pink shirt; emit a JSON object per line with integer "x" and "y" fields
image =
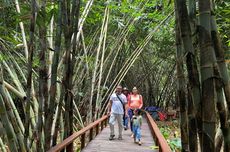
{"x": 135, "y": 101}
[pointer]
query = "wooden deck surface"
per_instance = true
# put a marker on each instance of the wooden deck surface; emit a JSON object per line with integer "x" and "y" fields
{"x": 102, "y": 144}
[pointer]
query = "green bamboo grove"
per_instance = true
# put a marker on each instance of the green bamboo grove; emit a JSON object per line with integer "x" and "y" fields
{"x": 60, "y": 61}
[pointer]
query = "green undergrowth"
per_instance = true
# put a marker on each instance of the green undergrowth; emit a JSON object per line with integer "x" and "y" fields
{"x": 170, "y": 131}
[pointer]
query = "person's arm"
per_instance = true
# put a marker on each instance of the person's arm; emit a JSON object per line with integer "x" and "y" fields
{"x": 140, "y": 120}
{"x": 126, "y": 109}
{"x": 126, "y": 106}
{"x": 109, "y": 107}
{"x": 141, "y": 102}
{"x": 128, "y": 99}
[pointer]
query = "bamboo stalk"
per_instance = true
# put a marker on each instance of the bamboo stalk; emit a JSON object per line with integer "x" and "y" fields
{"x": 15, "y": 91}
{"x": 78, "y": 115}
{"x": 22, "y": 30}
{"x": 43, "y": 83}
{"x": 11, "y": 137}
{"x": 127, "y": 65}
{"x": 223, "y": 83}
{"x": 70, "y": 20}
{"x": 93, "y": 83}
{"x": 80, "y": 25}
{"x": 12, "y": 58}
{"x": 59, "y": 120}
{"x": 31, "y": 47}
{"x": 13, "y": 119}
{"x": 193, "y": 74}
{"x": 181, "y": 89}
{"x": 2, "y": 146}
{"x": 219, "y": 140}
{"x": 14, "y": 77}
{"x": 208, "y": 67}
{"x": 20, "y": 123}
{"x": 50, "y": 41}
{"x": 54, "y": 75}
{"x": 101, "y": 44}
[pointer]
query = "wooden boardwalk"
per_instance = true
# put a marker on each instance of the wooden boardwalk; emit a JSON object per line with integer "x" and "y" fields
{"x": 102, "y": 144}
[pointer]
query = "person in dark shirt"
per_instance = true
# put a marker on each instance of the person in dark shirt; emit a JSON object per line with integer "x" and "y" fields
{"x": 126, "y": 118}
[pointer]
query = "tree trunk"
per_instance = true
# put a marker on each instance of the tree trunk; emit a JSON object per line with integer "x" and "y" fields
{"x": 208, "y": 67}
{"x": 219, "y": 140}
{"x": 31, "y": 48}
{"x": 43, "y": 80}
{"x": 223, "y": 83}
{"x": 181, "y": 91}
{"x": 192, "y": 124}
{"x": 70, "y": 19}
{"x": 191, "y": 63}
{"x": 54, "y": 75}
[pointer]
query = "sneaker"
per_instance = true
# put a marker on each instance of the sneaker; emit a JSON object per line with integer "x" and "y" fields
{"x": 119, "y": 138}
{"x": 125, "y": 128}
{"x": 139, "y": 143}
{"x": 111, "y": 137}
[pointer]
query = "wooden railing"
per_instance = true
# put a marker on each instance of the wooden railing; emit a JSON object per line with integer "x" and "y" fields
{"x": 159, "y": 139}
{"x": 102, "y": 122}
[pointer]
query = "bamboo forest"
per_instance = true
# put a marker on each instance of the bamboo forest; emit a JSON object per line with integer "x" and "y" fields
{"x": 155, "y": 71}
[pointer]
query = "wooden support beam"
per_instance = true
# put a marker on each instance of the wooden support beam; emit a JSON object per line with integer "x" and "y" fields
{"x": 83, "y": 141}
{"x": 97, "y": 129}
{"x": 102, "y": 125}
{"x": 91, "y": 134}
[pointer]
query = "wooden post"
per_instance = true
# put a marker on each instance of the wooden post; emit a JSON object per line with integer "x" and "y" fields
{"x": 102, "y": 125}
{"x": 97, "y": 129}
{"x": 91, "y": 134}
{"x": 106, "y": 122}
{"x": 82, "y": 141}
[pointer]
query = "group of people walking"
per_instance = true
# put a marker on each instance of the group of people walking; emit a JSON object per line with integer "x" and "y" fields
{"x": 125, "y": 107}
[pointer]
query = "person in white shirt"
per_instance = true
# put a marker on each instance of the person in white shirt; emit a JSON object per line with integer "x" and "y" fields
{"x": 117, "y": 109}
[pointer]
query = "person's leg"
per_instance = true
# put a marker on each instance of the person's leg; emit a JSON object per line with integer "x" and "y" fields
{"x": 112, "y": 120}
{"x": 134, "y": 133}
{"x": 126, "y": 122}
{"x": 130, "y": 112}
{"x": 120, "y": 125}
{"x": 138, "y": 135}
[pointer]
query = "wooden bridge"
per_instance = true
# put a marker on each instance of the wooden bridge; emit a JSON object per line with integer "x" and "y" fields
{"x": 98, "y": 138}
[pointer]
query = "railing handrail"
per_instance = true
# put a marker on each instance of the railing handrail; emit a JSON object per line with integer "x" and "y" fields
{"x": 162, "y": 143}
{"x": 77, "y": 134}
